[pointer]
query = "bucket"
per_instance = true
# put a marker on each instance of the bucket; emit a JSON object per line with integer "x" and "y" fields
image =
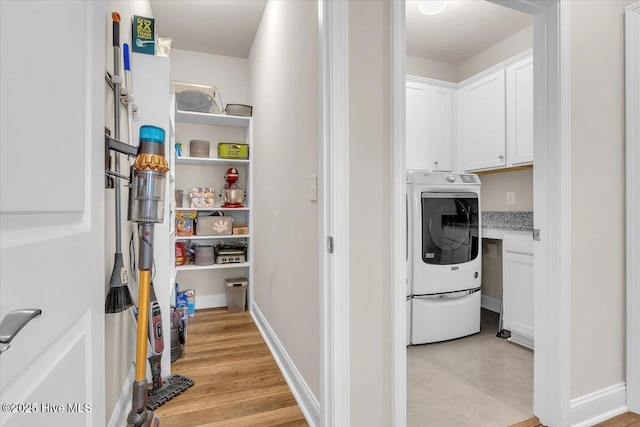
{"x": 198, "y": 148}
{"x": 204, "y": 255}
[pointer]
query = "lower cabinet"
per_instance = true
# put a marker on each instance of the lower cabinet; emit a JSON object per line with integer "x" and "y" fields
{"x": 517, "y": 265}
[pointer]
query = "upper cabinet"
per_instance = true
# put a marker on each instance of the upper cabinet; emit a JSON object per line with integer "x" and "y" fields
{"x": 430, "y": 126}
{"x": 441, "y": 128}
{"x": 483, "y": 122}
{"x": 417, "y": 149}
{"x": 520, "y": 113}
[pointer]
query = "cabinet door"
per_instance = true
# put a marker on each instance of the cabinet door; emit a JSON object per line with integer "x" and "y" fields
{"x": 441, "y": 129}
{"x": 517, "y": 270}
{"x": 483, "y": 123}
{"x": 520, "y": 113}
{"x": 417, "y": 147}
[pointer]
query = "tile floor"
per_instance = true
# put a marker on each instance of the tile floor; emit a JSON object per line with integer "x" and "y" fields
{"x": 478, "y": 381}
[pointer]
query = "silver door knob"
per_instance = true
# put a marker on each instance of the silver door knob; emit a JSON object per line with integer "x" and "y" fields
{"x": 501, "y": 157}
{"x": 13, "y": 322}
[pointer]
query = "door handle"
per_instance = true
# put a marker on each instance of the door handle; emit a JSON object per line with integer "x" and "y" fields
{"x": 13, "y": 322}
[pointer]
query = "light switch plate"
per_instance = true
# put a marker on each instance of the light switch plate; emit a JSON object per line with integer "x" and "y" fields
{"x": 313, "y": 183}
{"x": 511, "y": 198}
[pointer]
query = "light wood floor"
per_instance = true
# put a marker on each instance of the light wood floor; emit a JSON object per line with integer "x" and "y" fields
{"x": 629, "y": 419}
{"x": 237, "y": 381}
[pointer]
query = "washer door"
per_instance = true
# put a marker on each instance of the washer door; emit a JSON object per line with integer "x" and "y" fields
{"x": 449, "y": 228}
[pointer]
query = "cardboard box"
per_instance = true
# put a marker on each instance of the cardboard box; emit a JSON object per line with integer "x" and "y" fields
{"x": 191, "y": 302}
{"x": 143, "y": 34}
{"x": 240, "y": 229}
{"x": 184, "y": 223}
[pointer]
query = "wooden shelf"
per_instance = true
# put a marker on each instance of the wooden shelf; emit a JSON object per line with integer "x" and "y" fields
{"x": 210, "y": 161}
{"x": 212, "y": 119}
{"x": 193, "y": 267}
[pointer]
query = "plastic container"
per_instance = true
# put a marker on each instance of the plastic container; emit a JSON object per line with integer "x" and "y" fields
{"x": 233, "y": 150}
{"x": 236, "y": 295}
{"x": 199, "y": 148}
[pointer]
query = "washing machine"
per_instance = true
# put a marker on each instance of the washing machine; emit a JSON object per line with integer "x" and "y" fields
{"x": 444, "y": 255}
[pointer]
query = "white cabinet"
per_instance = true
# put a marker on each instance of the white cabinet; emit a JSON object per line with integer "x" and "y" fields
{"x": 430, "y": 126}
{"x": 520, "y": 113}
{"x": 417, "y": 148}
{"x": 517, "y": 296}
{"x": 441, "y": 128}
{"x": 209, "y": 280}
{"x": 483, "y": 121}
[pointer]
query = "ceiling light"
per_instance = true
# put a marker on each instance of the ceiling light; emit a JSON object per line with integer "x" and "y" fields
{"x": 432, "y": 7}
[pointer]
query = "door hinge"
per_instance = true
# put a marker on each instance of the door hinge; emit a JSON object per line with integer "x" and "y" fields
{"x": 330, "y": 244}
{"x": 536, "y": 234}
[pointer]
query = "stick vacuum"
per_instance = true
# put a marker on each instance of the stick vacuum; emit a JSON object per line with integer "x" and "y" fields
{"x": 146, "y": 207}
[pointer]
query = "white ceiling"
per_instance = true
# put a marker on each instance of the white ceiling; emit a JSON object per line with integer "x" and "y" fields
{"x": 228, "y": 27}
{"x": 464, "y": 29}
{"x": 220, "y": 27}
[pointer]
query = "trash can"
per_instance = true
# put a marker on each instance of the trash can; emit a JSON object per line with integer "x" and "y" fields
{"x": 236, "y": 294}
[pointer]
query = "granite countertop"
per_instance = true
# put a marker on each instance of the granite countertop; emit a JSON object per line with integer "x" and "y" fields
{"x": 508, "y": 221}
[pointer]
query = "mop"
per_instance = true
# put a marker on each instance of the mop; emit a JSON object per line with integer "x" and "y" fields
{"x": 118, "y": 297}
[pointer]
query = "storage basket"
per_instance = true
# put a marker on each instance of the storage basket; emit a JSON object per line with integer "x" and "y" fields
{"x": 193, "y": 97}
{"x": 199, "y": 148}
{"x": 204, "y": 255}
{"x": 214, "y": 225}
{"x": 233, "y": 150}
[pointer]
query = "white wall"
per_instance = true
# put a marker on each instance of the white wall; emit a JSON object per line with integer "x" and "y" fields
{"x": 119, "y": 328}
{"x": 598, "y": 185}
{"x": 507, "y": 48}
{"x": 431, "y": 69}
{"x": 370, "y": 212}
{"x": 229, "y": 75}
{"x": 496, "y": 185}
{"x": 283, "y": 81}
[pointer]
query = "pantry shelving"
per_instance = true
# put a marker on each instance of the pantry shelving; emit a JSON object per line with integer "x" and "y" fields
{"x": 209, "y": 280}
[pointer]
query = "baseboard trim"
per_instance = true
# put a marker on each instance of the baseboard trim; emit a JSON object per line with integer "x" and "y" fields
{"x": 306, "y": 400}
{"x": 211, "y": 301}
{"x": 121, "y": 411}
{"x": 490, "y": 303}
{"x": 599, "y": 406}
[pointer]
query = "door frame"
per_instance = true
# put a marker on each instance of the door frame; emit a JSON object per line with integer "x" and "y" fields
{"x": 552, "y": 177}
{"x": 333, "y": 186}
{"x": 632, "y": 92}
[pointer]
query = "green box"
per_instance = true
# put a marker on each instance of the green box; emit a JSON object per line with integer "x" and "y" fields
{"x": 233, "y": 150}
{"x": 143, "y": 34}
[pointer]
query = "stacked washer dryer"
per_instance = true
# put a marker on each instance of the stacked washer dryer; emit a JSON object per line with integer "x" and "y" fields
{"x": 444, "y": 256}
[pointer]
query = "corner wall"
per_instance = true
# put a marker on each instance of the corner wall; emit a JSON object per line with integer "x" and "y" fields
{"x": 598, "y": 195}
{"x": 370, "y": 212}
{"x": 283, "y": 89}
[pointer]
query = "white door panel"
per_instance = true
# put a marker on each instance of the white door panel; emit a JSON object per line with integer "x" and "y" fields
{"x": 520, "y": 112}
{"x": 52, "y": 198}
{"x": 441, "y": 129}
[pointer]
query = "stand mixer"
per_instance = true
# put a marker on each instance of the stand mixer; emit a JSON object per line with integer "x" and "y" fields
{"x": 232, "y": 194}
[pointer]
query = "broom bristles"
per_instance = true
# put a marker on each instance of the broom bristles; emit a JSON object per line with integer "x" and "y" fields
{"x": 118, "y": 299}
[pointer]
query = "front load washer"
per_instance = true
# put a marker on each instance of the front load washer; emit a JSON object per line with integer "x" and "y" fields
{"x": 444, "y": 255}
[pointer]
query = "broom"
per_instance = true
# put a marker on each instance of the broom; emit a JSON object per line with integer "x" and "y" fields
{"x": 119, "y": 297}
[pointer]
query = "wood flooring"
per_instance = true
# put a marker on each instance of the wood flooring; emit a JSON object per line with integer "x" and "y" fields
{"x": 629, "y": 419}
{"x": 237, "y": 381}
